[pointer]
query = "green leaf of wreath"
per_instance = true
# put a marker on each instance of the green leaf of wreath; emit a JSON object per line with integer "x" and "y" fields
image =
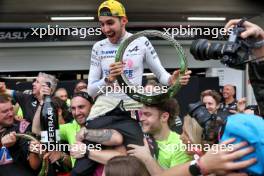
{"x": 131, "y": 90}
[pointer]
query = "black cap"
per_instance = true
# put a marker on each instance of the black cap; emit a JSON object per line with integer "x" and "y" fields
{"x": 84, "y": 95}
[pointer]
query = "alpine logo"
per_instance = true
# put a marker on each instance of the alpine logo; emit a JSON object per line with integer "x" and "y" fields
{"x": 34, "y": 103}
{"x": 5, "y": 157}
{"x": 135, "y": 49}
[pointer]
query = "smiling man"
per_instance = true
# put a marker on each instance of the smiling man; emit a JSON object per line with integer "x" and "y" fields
{"x": 30, "y": 102}
{"x": 103, "y": 69}
{"x": 229, "y": 103}
{"x": 156, "y": 121}
{"x": 114, "y": 109}
{"x": 15, "y": 155}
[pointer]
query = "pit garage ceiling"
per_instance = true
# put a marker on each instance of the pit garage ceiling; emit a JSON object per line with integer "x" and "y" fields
{"x": 13, "y": 11}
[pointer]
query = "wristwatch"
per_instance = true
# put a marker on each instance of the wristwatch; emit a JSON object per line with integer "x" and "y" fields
{"x": 194, "y": 169}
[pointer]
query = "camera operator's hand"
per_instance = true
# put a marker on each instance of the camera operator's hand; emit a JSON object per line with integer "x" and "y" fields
{"x": 251, "y": 30}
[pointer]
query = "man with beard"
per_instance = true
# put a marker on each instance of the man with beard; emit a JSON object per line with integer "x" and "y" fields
{"x": 81, "y": 104}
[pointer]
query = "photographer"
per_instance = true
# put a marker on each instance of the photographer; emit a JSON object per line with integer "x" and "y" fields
{"x": 245, "y": 45}
{"x": 256, "y": 74}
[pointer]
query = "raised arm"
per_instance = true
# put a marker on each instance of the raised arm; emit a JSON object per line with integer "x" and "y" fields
{"x": 154, "y": 63}
{"x": 251, "y": 30}
{"x": 4, "y": 90}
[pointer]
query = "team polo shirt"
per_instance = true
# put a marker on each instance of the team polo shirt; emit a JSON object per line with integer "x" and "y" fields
{"x": 28, "y": 104}
{"x": 171, "y": 152}
{"x": 68, "y": 133}
{"x": 14, "y": 159}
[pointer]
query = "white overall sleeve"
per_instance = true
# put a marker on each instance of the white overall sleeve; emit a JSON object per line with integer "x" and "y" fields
{"x": 95, "y": 80}
{"x": 154, "y": 63}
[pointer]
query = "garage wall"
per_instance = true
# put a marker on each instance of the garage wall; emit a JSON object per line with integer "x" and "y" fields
{"x": 73, "y": 56}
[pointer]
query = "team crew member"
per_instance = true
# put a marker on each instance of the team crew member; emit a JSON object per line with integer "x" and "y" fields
{"x": 81, "y": 104}
{"x": 30, "y": 102}
{"x": 156, "y": 120}
{"x": 15, "y": 157}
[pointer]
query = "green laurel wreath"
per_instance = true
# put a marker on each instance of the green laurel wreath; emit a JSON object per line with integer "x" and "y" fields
{"x": 133, "y": 92}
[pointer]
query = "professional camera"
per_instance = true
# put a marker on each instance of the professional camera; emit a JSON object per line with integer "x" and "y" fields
{"x": 242, "y": 127}
{"x": 234, "y": 53}
{"x": 211, "y": 123}
{"x": 200, "y": 113}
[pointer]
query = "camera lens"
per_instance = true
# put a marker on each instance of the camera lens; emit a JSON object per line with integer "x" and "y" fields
{"x": 198, "y": 49}
{"x": 200, "y": 113}
{"x": 214, "y": 51}
{"x": 202, "y": 49}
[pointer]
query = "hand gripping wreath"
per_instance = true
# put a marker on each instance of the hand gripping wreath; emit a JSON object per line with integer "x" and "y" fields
{"x": 132, "y": 90}
{"x": 45, "y": 163}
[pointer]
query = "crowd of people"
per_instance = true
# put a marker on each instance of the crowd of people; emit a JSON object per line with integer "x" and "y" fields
{"x": 114, "y": 135}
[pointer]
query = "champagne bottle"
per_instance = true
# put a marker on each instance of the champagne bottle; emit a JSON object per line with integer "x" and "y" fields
{"x": 49, "y": 122}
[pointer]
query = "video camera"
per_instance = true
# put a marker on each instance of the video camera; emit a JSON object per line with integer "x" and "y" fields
{"x": 234, "y": 53}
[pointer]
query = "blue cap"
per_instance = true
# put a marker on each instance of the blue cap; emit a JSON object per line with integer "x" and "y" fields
{"x": 250, "y": 128}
